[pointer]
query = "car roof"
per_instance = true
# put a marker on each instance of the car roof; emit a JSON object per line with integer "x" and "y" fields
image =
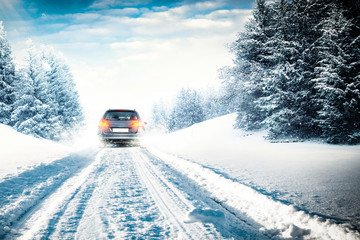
{"x": 121, "y": 110}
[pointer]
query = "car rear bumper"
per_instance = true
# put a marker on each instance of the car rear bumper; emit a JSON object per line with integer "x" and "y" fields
{"x": 119, "y": 136}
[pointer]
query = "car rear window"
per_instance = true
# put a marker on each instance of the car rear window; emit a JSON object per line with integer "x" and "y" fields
{"x": 121, "y": 115}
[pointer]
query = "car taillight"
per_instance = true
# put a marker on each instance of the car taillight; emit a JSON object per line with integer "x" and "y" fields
{"x": 137, "y": 124}
{"x": 104, "y": 124}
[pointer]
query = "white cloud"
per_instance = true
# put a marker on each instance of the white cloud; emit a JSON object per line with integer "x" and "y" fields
{"x": 134, "y": 45}
{"x": 206, "y": 24}
{"x": 86, "y": 17}
{"x": 206, "y": 5}
{"x": 230, "y": 14}
{"x": 98, "y": 31}
{"x": 9, "y": 9}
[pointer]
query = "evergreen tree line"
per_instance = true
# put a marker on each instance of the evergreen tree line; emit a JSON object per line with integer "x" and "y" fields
{"x": 297, "y": 71}
{"x": 191, "y": 106}
{"x": 39, "y": 99}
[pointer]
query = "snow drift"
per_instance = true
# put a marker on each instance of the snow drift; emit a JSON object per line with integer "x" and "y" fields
{"x": 21, "y": 152}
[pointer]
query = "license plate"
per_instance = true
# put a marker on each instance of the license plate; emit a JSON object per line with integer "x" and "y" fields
{"x": 120, "y": 130}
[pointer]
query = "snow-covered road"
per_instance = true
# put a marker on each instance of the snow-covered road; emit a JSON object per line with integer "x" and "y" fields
{"x": 122, "y": 193}
{"x": 135, "y": 193}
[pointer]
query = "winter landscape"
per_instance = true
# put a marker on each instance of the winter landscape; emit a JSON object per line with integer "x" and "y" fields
{"x": 176, "y": 188}
{"x": 251, "y": 110}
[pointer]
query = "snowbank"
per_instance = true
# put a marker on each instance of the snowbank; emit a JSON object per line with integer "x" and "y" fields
{"x": 19, "y": 152}
{"x": 273, "y": 218}
{"x": 317, "y": 178}
{"x": 216, "y": 139}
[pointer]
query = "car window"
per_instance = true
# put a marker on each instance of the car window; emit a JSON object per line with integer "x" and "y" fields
{"x": 121, "y": 115}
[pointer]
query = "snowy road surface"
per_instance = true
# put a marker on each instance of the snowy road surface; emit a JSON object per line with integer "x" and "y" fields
{"x": 134, "y": 193}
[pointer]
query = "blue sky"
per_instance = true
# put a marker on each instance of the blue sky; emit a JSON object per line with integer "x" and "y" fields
{"x": 130, "y": 53}
{"x": 37, "y": 7}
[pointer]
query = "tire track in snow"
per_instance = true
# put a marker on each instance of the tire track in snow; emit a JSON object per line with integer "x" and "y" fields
{"x": 165, "y": 197}
{"x": 127, "y": 211}
{"x": 20, "y": 195}
{"x": 43, "y": 220}
{"x": 106, "y": 200}
{"x": 128, "y": 194}
{"x": 193, "y": 197}
{"x": 70, "y": 215}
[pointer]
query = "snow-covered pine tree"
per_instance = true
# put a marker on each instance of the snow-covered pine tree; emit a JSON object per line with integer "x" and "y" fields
{"x": 187, "y": 110}
{"x": 306, "y": 19}
{"x": 159, "y": 116}
{"x": 229, "y": 88}
{"x": 351, "y": 45}
{"x": 335, "y": 104}
{"x": 70, "y": 109}
{"x": 25, "y": 106}
{"x": 7, "y": 78}
{"x": 62, "y": 86}
{"x": 47, "y": 112}
{"x": 212, "y": 104}
{"x": 297, "y": 71}
{"x": 283, "y": 119}
{"x": 51, "y": 107}
{"x": 252, "y": 59}
{"x": 352, "y": 96}
{"x": 276, "y": 98}
{"x": 286, "y": 88}
{"x": 35, "y": 114}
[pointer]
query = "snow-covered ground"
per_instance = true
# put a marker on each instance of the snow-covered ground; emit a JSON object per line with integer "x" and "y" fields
{"x": 19, "y": 152}
{"x": 320, "y": 179}
{"x": 30, "y": 170}
{"x": 121, "y": 193}
{"x": 204, "y": 182}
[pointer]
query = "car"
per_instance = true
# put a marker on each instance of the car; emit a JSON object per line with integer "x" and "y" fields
{"x": 121, "y": 126}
